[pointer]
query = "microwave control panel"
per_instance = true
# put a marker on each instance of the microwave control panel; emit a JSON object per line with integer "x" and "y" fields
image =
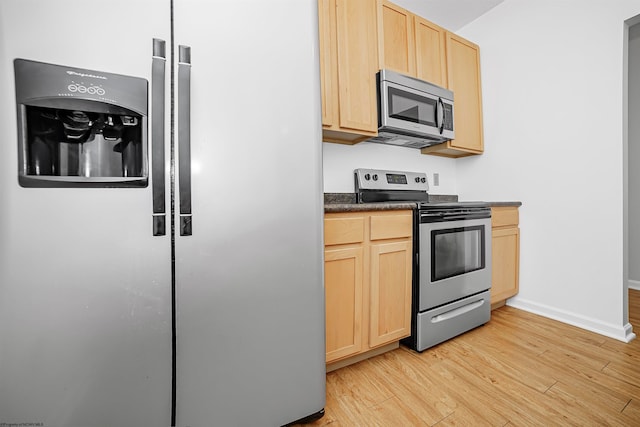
{"x": 448, "y": 116}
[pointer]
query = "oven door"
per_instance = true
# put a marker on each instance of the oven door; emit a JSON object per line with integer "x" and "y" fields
{"x": 454, "y": 260}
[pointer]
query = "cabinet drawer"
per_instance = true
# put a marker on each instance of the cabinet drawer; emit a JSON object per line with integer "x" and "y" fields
{"x": 503, "y": 216}
{"x": 391, "y": 226}
{"x": 341, "y": 230}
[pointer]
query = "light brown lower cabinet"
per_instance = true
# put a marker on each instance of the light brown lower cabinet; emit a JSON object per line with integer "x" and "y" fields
{"x": 368, "y": 272}
{"x": 505, "y": 254}
{"x": 343, "y": 292}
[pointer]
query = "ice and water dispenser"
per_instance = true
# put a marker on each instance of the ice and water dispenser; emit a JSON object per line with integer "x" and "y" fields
{"x": 80, "y": 127}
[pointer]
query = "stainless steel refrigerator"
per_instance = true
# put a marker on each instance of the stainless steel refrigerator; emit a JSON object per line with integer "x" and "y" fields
{"x": 161, "y": 219}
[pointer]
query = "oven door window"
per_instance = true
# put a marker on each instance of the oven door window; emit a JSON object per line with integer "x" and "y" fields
{"x": 456, "y": 251}
{"x": 410, "y": 107}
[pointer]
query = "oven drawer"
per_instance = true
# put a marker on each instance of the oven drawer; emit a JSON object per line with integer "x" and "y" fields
{"x": 439, "y": 324}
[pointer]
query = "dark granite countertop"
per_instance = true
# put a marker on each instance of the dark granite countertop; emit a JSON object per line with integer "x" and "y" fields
{"x": 346, "y": 202}
{"x": 499, "y": 204}
{"x": 358, "y": 207}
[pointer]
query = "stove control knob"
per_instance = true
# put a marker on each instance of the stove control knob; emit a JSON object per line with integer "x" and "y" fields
{"x": 417, "y": 179}
{"x": 367, "y": 177}
{"x": 423, "y": 179}
{"x": 375, "y": 176}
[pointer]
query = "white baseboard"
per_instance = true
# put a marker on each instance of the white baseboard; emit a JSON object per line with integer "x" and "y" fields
{"x": 634, "y": 284}
{"x": 621, "y": 333}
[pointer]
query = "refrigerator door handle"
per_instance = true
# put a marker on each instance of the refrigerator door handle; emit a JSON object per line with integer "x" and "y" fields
{"x": 157, "y": 136}
{"x": 184, "y": 138}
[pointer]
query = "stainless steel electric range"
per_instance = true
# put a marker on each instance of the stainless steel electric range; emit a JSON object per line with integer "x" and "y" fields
{"x": 452, "y": 256}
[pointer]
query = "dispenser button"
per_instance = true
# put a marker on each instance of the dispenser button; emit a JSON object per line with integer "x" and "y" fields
{"x": 129, "y": 120}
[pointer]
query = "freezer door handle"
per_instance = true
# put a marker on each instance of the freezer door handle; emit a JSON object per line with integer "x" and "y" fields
{"x": 184, "y": 138}
{"x": 157, "y": 136}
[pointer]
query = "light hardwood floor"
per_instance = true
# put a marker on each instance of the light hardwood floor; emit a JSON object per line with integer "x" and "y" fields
{"x": 517, "y": 370}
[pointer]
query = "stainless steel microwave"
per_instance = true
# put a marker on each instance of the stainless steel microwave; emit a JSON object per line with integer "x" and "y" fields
{"x": 411, "y": 112}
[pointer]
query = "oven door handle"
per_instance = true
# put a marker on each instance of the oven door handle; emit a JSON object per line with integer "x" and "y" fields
{"x": 426, "y": 218}
{"x": 457, "y": 311}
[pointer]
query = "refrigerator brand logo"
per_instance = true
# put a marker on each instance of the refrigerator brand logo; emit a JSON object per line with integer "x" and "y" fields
{"x": 80, "y": 88}
{"x": 73, "y": 73}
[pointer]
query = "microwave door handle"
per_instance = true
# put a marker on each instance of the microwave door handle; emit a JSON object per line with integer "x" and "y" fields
{"x": 157, "y": 136}
{"x": 184, "y": 138}
{"x": 440, "y": 115}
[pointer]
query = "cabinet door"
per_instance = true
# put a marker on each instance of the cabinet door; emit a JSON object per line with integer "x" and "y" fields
{"x": 431, "y": 60}
{"x": 357, "y": 64}
{"x": 343, "y": 293}
{"x": 505, "y": 255}
{"x": 327, "y": 32}
{"x": 390, "y": 292}
{"x": 464, "y": 80}
{"x": 396, "y": 38}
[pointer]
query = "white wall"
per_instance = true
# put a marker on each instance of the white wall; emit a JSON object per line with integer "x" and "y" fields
{"x": 634, "y": 156}
{"x": 552, "y": 81}
{"x": 340, "y": 161}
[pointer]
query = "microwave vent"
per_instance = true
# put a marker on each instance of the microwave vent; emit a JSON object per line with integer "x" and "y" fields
{"x": 403, "y": 140}
{"x": 382, "y": 140}
{"x": 420, "y": 144}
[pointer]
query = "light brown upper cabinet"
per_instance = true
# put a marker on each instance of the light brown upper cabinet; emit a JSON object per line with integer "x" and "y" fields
{"x": 463, "y": 69}
{"x": 360, "y": 37}
{"x": 431, "y": 59}
{"x": 410, "y": 44}
{"x": 349, "y": 62}
{"x": 396, "y": 40}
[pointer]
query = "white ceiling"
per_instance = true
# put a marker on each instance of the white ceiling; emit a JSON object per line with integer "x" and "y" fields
{"x": 450, "y": 14}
